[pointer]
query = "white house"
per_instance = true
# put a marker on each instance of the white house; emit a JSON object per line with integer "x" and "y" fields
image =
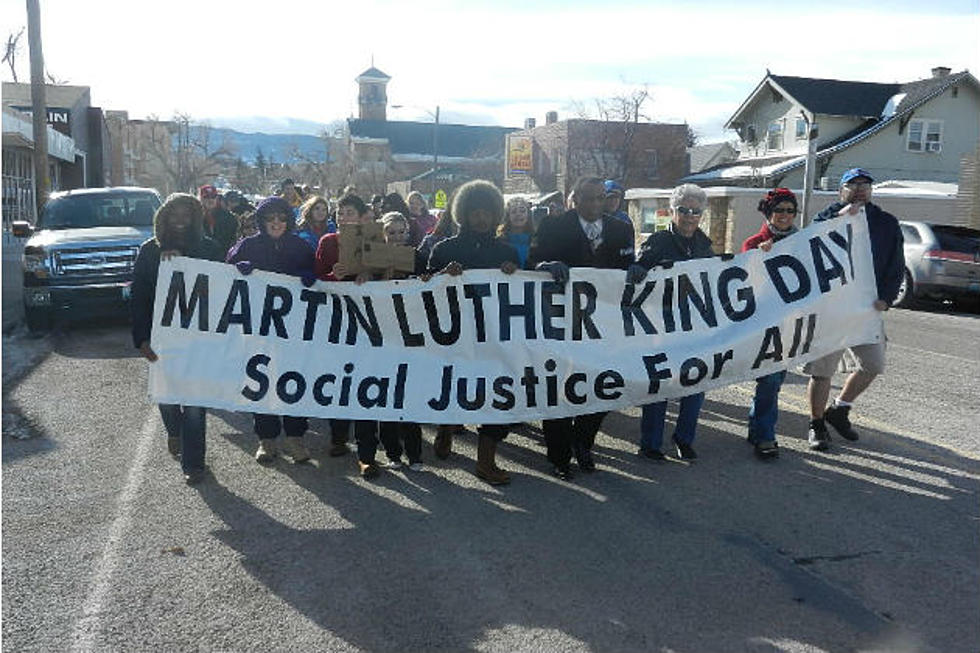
{"x": 926, "y": 130}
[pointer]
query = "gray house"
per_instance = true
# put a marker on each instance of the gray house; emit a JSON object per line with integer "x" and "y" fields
{"x": 927, "y": 130}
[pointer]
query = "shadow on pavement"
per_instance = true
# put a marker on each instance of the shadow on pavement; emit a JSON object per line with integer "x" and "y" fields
{"x": 727, "y": 554}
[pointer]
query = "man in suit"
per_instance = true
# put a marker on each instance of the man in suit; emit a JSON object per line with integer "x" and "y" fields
{"x": 581, "y": 237}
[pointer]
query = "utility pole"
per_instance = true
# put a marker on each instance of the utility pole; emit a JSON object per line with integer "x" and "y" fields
{"x": 812, "y": 131}
{"x": 435, "y": 151}
{"x": 39, "y": 106}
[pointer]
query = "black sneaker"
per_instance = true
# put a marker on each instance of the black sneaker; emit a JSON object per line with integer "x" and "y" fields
{"x": 837, "y": 416}
{"x": 652, "y": 454}
{"x": 194, "y": 476}
{"x": 685, "y": 451}
{"x": 818, "y": 437}
{"x": 562, "y": 472}
{"x": 767, "y": 450}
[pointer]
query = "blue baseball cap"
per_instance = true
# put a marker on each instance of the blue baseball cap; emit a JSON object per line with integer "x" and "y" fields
{"x": 613, "y": 187}
{"x": 854, "y": 173}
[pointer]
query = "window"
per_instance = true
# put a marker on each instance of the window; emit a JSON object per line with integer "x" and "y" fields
{"x": 911, "y": 234}
{"x": 775, "y": 141}
{"x": 652, "y": 169}
{"x": 925, "y": 136}
{"x": 800, "y": 129}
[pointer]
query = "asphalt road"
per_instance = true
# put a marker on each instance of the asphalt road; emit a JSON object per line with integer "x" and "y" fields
{"x": 872, "y": 546}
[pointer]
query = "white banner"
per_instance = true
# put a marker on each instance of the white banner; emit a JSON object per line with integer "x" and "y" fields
{"x": 486, "y": 347}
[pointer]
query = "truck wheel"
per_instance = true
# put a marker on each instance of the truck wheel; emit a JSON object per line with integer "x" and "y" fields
{"x": 906, "y": 296}
{"x": 38, "y": 319}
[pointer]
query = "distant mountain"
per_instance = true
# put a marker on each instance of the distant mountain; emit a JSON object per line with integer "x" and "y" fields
{"x": 267, "y": 125}
{"x": 277, "y": 148}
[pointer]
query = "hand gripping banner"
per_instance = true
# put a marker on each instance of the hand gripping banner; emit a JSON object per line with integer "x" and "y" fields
{"x": 486, "y": 347}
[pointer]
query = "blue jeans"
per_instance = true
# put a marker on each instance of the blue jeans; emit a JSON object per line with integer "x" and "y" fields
{"x": 765, "y": 407}
{"x": 654, "y": 415}
{"x": 186, "y": 423}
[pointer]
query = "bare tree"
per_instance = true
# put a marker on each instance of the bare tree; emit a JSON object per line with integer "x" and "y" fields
{"x": 188, "y": 152}
{"x": 10, "y": 53}
{"x": 54, "y": 81}
{"x": 609, "y": 149}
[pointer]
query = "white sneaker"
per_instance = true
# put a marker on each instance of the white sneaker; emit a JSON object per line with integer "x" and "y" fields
{"x": 393, "y": 463}
{"x": 416, "y": 466}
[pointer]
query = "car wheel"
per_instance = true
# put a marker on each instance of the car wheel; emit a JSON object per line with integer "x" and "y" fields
{"x": 38, "y": 319}
{"x": 906, "y": 297}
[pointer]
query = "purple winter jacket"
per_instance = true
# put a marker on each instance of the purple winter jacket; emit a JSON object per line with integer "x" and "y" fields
{"x": 288, "y": 254}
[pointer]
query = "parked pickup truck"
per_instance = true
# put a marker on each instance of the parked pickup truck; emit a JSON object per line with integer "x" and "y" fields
{"x": 79, "y": 257}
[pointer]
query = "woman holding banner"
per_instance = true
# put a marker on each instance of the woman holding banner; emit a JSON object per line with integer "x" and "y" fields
{"x": 779, "y": 206}
{"x": 276, "y": 248}
{"x": 478, "y": 207}
{"x": 178, "y": 230}
{"x": 682, "y": 240}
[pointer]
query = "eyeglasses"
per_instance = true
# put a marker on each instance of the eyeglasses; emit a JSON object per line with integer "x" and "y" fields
{"x": 683, "y": 210}
{"x": 858, "y": 184}
{"x": 789, "y": 211}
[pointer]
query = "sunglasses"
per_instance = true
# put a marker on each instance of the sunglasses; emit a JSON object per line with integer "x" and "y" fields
{"x": 276, "y": 217}
{"x": 858, "y": 184}
{"x": 786, "y": 211}
{"x": 683, "y": 210}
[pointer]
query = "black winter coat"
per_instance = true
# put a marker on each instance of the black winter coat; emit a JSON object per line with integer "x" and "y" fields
{"x": 473, "y": 251}
{"x": 666, "y": 246}
{"x": 144, "y": 288}
{"x": 562, "y": 239}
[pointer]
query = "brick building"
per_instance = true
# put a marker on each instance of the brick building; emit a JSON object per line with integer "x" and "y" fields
{"x": 551, "y": 157}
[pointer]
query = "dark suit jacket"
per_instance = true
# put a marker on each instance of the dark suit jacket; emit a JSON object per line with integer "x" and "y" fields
{"x": 562, "y": 239}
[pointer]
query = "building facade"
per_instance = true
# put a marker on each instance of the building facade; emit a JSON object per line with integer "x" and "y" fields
{"x": 425, "y": 156}
{"x": 551, "y": 157}
{"x": 921, "y": 130}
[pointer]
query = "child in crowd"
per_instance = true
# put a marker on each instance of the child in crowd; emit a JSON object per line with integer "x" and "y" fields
{"x": 351, "y": 209}
{"x": 517, "y": 228}
{"x": 393, "y": 434}
{"x": 276, "y": 248}
{"x": 479, "y": 208}
{"x": 178, "y": 230}
{"x": 420, "y": 213}
{"x": 314, "y": 221}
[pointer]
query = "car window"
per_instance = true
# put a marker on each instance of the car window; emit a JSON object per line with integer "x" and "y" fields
{"x": 100, "y": 210}
{"x": 957, "y": 239}
{"x": 911, "y": 234}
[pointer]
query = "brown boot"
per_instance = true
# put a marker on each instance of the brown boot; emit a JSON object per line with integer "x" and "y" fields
{"x": 486, "y": 466}
{"x": 443, "y": 444}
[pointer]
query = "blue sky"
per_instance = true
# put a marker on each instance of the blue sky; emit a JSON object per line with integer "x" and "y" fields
{"x": 482, "y": 62}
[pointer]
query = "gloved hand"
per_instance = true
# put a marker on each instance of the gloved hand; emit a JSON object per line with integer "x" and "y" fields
{"x": 245, "y": 267}
{"x": 635, "y": 273}
{"x": 558, "y": 270}
{"x": 307, "y": 280}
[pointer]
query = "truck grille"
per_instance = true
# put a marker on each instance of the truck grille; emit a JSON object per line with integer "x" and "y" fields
{"x": 94, "y": 261}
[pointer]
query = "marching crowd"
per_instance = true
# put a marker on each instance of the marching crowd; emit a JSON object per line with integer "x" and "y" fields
{"x": 296, "y": 235}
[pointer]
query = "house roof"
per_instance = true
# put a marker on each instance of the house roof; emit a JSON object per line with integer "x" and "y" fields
{"x": 405, "y": 137}
{"x": 703, "y": 156}
{"x": 837, "y": 97}
{"x": 909, "y": 96}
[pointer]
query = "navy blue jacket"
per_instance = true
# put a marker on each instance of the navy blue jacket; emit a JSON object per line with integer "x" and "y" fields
{"x": 887, "y": 247}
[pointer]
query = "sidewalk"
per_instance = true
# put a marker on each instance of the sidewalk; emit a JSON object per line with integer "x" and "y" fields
{"x": 13, "y": 304}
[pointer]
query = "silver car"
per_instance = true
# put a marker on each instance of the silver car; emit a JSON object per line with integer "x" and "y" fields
{"x": 941, "y": 262}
